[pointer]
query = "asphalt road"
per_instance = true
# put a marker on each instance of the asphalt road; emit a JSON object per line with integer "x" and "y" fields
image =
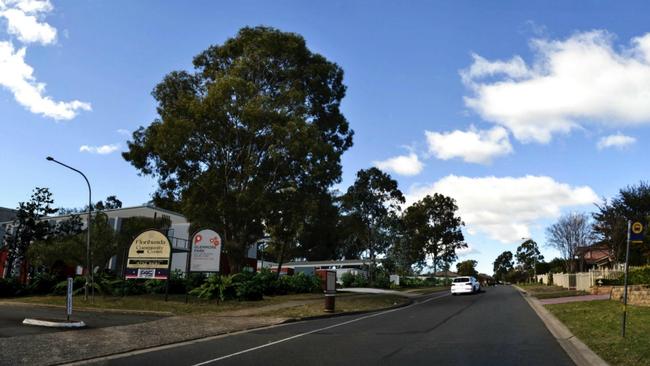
{"x": 12, "y": 316}
{"x": 496, "y": 327}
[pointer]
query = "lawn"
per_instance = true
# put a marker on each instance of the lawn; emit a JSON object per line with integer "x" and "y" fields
{"x": 344, "y": 304}
{"x": 598, "y": 324}
{"x": 549, "y": 292}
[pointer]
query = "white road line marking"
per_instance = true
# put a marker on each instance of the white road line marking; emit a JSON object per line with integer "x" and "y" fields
{"x": 314, "y": 331}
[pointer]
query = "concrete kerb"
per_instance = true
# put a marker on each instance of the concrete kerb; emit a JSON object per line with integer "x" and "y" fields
{"x": 579, "y": 352}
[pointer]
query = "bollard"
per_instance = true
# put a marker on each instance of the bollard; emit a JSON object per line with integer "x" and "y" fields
{"x": 330, "y": 302}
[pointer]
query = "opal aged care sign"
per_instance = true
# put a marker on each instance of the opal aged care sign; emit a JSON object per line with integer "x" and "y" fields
{"x": 206, "y": 251}
{"x": 149, "y": 256}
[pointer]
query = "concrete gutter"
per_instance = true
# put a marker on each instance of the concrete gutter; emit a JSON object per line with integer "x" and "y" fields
{"x": 579, "y": 352}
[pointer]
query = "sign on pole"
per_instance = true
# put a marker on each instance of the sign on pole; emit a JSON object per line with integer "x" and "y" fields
{"x": 149, "y": 256}
{"x": 637, "y": 232}
{"x": 68, "y": 299}
{"x": 205, "y": 254}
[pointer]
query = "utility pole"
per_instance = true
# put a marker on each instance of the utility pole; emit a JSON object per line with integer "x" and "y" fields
{"x": 627, "y": 259}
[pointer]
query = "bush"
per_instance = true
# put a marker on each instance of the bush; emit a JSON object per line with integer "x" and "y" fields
{"x": 382, "y": 280}
{"x": 418, "y": 282}
{"x": 42, "y": 283}
{"x": 215, "y": 287}
{"x": 610, "y": 281}
{"x": 347, "y": 278}
{"x": 639, "y": 276}
{"x": 61, "y": 288}
{"x": 10, "y": 287}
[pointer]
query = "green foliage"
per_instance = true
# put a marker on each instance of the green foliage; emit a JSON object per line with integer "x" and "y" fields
{"x": 350, "y": 279}
{"x": 61, "y": 287}
{"x": 42, "y": 283}
{"x": 28, "y": 227}
{"x": 432, "y": 227}
{"x": 467, "y": 268}
{"x": 409, "y": 282}
{"x": 502, "y": 265}
{"x": 10, "y": 287}
{"x": 381, "y": 280}
{"x": 639, "y": 276}
{"x": 347, "y": 278}
{"x": 259, "y": 113}
{"x": 610, "y": 281}
{"x": 528, "y": 255}
{"x": 215, "y": 287}
{"x": 371, "y": 202}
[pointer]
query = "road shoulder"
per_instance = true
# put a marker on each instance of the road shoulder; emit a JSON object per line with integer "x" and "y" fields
{"x": 579, "y": 352}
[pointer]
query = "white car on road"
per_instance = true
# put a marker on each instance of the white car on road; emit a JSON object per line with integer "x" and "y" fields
{"x": 465, "y": 285}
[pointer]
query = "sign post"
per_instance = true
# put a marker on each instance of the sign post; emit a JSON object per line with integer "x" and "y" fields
{"x": 149, "y": 257}
{"x": 635, "y": 233}
{"x": 68, "y": 300}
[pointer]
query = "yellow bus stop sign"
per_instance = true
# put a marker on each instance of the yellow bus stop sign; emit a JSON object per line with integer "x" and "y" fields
{"x": 636, "y": 236}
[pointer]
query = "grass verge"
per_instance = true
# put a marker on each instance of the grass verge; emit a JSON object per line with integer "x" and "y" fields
{"x": 598, "y": 324}
{"x": 550, "y": 292}
{"x": 344, "y": 304}
{"x": 175, "y": 305}
{"x": 425, "y": 290}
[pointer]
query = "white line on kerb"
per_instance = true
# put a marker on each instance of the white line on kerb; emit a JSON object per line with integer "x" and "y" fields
{"x": 313, "y": 331}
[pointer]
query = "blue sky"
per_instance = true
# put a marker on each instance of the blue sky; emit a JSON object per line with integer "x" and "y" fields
{"x": 519, "y": 110}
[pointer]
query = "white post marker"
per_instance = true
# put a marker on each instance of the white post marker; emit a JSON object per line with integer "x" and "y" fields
{"x": 68, "y": 300}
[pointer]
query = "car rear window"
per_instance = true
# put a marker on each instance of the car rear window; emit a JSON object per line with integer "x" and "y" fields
{"x": 461, "y": 279}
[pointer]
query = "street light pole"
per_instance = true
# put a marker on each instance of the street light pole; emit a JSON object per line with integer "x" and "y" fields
{"x": 89, "y": 278}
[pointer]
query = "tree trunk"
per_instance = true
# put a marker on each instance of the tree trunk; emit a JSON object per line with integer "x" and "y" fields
{"x": 280, "y": 259}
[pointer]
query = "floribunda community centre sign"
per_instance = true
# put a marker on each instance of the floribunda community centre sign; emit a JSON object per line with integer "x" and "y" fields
{"x": 206, "y": 251}
{"x": 149, "y": 256}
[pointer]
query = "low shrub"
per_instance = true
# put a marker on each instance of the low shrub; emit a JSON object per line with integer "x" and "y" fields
{"x": 215, "y": 287}
{"x": 61, "y": 288}
{"x": 42, "y": 283}
{"x": 10, "y": 287}
{"x": 639, "y": 276}
{"x": 610, "y": 281}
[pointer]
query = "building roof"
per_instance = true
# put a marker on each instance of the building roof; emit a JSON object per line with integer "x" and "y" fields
{"x": 7, "y": 214}
{"x": 329, "y": 263}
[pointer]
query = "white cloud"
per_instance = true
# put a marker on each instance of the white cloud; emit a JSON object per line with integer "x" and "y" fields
{"x": 473, "y": 146}
{"x": 123, "y": 131}
{"x": 571, "y": 83}
{"x": 27, "y": 28}
{"x": 618, "y": 141}
{"x": 465, "y": 252}
{"x": 102, "y": 150}
{"x": 17, "y": 76}
{"x": 23, "y": 21}
{"x": 505, "y": 208}
{"x": 404, "y": 164}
